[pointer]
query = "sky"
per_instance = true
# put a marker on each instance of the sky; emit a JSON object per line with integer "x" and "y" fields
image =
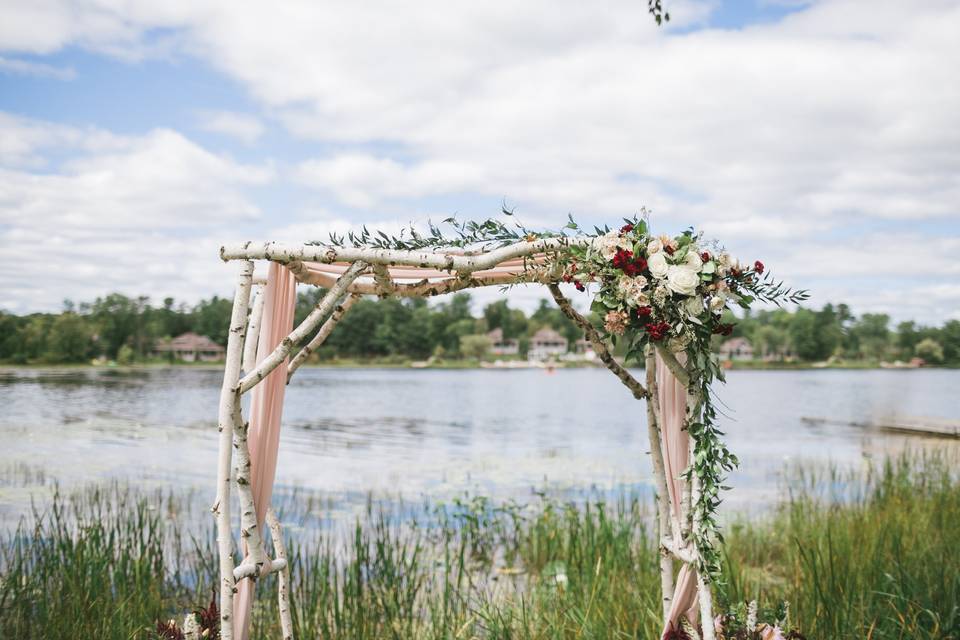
{"x": 820, "y": 137}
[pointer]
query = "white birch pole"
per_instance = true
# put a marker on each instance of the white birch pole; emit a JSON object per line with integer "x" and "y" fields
{"x": 323, "y": 309}
{"x": 229, "y": 405}
{"x": 663, "y": 494}
{"x": 280, "y": 252}
{"x": 704, "y": 592}
{"x": 253, "y": 331}
{"x": 256, "y": 563}
{"x": 322, "y": 334}
{"x": 283, "y": 578}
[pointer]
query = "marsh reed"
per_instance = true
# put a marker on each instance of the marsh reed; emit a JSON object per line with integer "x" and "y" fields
{"x": 869, "y": 554}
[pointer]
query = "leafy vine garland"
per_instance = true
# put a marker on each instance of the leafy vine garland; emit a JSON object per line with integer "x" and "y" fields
{"x": 654, "y": 290}
{"x": 671, "y": 293}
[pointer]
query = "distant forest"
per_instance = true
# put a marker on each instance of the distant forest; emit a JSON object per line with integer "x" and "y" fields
{"x": 125, "y": 330}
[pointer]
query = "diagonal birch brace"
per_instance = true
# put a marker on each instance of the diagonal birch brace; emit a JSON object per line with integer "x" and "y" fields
{"x": 599, "y": 346}
{"x": 322, "y": 334}
{"x": 321, "y": 311}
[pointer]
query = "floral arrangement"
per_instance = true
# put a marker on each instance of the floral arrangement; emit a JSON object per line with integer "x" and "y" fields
{"x": 671, "y": 292}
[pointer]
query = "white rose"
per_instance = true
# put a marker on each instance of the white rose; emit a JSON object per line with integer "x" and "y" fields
{"x": 694, "y": 306}
{"x": 693, "y": 260}
{"x": 654, "y": 246}
{"x": 658, "y": 265}
{"x": 717, "y": 302}
{"x": 683, "y": 280}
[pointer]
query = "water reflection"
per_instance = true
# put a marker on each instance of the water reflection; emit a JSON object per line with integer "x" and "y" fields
{"x": 434, "y": 434}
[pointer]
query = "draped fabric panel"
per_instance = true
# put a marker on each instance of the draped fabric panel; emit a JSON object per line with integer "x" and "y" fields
{"x": 266, "y": 409}
{"x": 675, "y": 442}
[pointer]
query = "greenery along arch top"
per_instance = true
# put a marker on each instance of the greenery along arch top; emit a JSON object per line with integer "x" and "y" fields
{"x": 662, "y": 296}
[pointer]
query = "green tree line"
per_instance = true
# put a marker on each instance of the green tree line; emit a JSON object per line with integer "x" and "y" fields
{"x": 125, "y": 329}
{"x": 834, "y": 332}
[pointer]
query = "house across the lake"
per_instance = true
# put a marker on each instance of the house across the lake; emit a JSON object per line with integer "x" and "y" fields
{"x": 190, "y": 347}
{"x": 545, "y": 344}
{"x": 736, "y": 349}
{"x": 501, "y": 347}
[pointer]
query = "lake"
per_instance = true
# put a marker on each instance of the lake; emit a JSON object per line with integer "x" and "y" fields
{"x": 438, "y": 433}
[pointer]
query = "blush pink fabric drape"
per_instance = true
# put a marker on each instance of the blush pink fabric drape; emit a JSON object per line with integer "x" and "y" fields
{"x": 266, "y": 409}
{"x": 675, "y": 443}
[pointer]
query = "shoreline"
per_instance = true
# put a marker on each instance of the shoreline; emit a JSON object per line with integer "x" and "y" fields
{"x": 466, "y": 364}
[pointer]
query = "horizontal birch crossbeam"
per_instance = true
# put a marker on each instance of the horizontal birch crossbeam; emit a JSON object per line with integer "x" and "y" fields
{"x": 451, "y": 261}
{"x": 258, "y": 569}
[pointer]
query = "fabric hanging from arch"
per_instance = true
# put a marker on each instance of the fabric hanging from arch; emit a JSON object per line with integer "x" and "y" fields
{"x": 266, "y": 410}
{"x": 675, "y": 443}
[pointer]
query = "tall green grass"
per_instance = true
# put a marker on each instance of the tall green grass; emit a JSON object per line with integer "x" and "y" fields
{"x": 872, "y": 555}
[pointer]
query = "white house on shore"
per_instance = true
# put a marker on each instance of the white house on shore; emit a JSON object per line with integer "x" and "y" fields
{"x": 190, "y": 347}
{"x": 736, "y": 349}
{"x": 545, "y": 344}
{"x": 501, "y": 347}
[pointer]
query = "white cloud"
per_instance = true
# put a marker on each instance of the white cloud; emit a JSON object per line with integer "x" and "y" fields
{"x": 241, "y": 126}
{"x": 840, "y": 114}
{"x": 139, "y": 214}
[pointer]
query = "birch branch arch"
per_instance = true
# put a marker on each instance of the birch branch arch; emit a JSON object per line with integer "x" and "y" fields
{"x": 349, "y": 272}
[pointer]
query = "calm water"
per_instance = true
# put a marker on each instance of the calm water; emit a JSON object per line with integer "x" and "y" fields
{"x": 437, "y": 433}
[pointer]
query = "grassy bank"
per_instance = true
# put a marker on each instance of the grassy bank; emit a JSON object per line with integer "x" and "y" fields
{"x": 860, "y": 556}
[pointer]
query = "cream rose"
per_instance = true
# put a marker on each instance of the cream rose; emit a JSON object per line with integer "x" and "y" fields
{"x": 717, "y": 302}
{"x": 631, "y": 290}
{"x": 694, "y": 306}
{"x": 693, "y": 260}
{"x": 726, "y": 263}
{"x": 657, "y": 263}
{"x": 682, "y": 279}
{"x": 608, "y": 244}
{"x": 654, "y": 246}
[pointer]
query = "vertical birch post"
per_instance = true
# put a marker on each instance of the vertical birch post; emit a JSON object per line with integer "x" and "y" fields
{"x": 229, "y": 407}
{"x": 283, "y": 577}
{"x": 253, "y": 331}
{"x": 663, "y": 495}
{"x": 704, "y": 594}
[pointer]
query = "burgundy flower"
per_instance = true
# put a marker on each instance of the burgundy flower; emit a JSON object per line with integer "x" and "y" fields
{"x": 657, "y": 330}
{"x": 622, "y": 257}
{"x": 723, "y": 329}
{"x": 644, "y": 312}
{"x": 579, "y": 285}
{"x": 675, "y": 633}
{"x": 627, "y": 228}
{"x": 705, "y": 256}
{"x": 758, "y": 266}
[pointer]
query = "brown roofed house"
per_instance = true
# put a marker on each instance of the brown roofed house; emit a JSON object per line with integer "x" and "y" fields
{"x": 190, "y": 347}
